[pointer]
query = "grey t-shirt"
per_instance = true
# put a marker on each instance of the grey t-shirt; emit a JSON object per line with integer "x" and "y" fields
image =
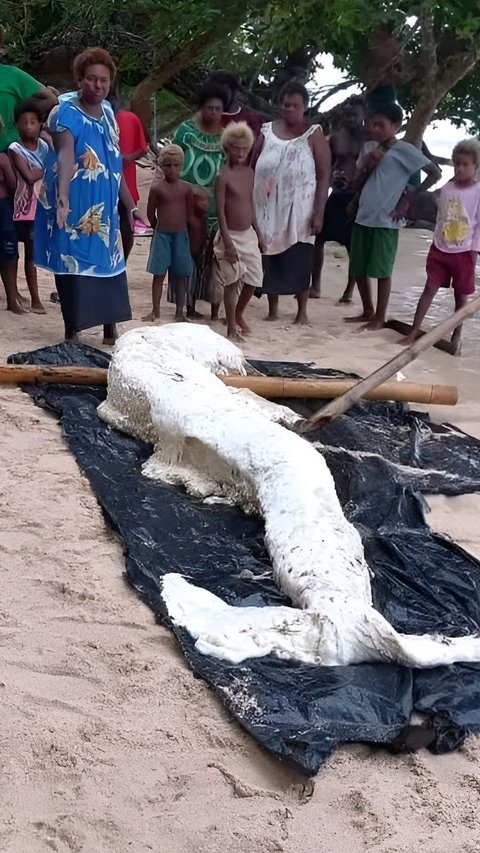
{"x": 386, "y": 184}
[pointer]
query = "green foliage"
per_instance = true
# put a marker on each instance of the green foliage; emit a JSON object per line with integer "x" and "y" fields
{"x": 258, "y": 38}
{"x": 140, "y": 35}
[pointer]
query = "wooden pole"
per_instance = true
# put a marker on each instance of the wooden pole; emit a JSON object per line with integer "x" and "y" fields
{"x": 264, "y": 386}
{"x": 278, "y": 386}
{"x": 341, "y": 405}
{"x": 33, "y": 374}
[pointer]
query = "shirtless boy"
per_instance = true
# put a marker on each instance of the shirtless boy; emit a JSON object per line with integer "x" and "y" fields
{"x": 169, "y": 212}
{"x": 345, "y": 144}
{"x": 237, "y": 267}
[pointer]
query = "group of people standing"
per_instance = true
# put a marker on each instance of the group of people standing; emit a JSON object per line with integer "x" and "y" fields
{"x": 238, "y": 205}
{"x": 291, "y": 162}
{"x": 76, "y": 183}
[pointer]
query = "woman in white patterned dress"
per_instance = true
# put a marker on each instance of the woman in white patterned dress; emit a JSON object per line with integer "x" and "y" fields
{"x": 292, "y": 175}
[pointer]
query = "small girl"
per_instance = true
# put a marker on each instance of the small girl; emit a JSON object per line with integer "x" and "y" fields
{"x": 28, "y": 158}
{"x": 8, "y": 235}
{"x": 456, "y": 240}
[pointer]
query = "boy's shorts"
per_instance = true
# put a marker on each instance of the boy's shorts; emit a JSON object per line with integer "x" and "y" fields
{"x": 373, "y": 251}
{"x": 246, "y": 270}
{"x": 8, "y": 233}
{"x": 170, "y": 251}
{"x": 452, "y": 268}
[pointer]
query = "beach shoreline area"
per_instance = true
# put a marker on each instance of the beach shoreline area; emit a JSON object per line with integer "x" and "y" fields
{"x": 109, "y": 743}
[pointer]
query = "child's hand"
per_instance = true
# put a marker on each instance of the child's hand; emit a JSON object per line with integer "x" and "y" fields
{"x": 339, "y": 179}
{"x": 375, "y": 157}
{"x": 402, "y": 207}
{"x": 231, "y": 254}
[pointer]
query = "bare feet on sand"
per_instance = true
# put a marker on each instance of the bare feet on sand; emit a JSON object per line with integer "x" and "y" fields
{"x": 244, "y": 328}
{"x": 345, "y": 300}
{"x": 271, "y": 318}
{"x": 234, "y": 336}
{"x": 362, "y": 318}
{"x": 17, "y": 308}
{"x": 313, "y": 294}
{"x": 301, "y": 320}
{"x": 373, "y": 325}
{"x": 181, "y": 318}
{"x": 410, "y": 339}
{"x": 37, "y": 308}
{"x": 193, "y": 314}
{"x": 150, "y": 318}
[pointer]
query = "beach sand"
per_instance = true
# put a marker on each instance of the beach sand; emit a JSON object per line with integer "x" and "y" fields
{"x": 108, "y": 742}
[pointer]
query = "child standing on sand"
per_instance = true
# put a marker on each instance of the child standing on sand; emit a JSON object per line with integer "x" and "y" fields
{"x": 28, "y": 158}
{"x": 383, "y": 176}
{"x": 169, "y": 211}
{"x": 237, "y": 265}
{"x": 456, "y": 240}
{"x": 8, "y": 235}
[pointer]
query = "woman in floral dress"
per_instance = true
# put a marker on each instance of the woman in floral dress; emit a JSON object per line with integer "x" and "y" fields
{"x": 77, "y": 234}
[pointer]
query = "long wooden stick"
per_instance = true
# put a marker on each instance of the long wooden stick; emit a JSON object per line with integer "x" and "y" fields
{"x": 264, "y": 386}
{"x": 342, "y": 404}
{"x": 32, "y": 374}
{"x": 277, "y": 386}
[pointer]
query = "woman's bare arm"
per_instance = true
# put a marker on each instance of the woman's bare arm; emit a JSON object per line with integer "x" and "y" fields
{"x": 257, "y": 149}
{"x": 323, "y": 165}
{"x": 65, "y": 147}
{"x": 125, "y": 197}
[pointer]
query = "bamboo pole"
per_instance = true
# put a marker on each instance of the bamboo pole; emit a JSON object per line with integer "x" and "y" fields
{"x": 264, "y": 386}
{"x": 341, "y": 405}
{"x": 278, "y": 386}
{"x": 33, "y": 374}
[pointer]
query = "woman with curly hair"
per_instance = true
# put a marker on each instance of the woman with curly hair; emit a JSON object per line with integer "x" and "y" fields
{"x": 77, "y": 234}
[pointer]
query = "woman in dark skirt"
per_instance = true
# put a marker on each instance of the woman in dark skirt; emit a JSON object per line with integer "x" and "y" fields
{"x": 292, "y": 175}
{"x": 77, "y": 231}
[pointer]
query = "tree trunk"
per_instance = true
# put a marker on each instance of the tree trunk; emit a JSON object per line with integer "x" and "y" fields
{"x": 233, "y": 15}
{"x": 157, "y": 78}
{"x": 446, "y": 78}
{"x": 422, "y": 116}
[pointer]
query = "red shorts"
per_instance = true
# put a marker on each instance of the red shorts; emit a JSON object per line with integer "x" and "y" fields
{"x": 452, "y": 268}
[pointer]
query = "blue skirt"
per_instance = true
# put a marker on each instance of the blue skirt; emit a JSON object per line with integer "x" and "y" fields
{"x": 89, "y": 300}
{"x": 288, "y": 272}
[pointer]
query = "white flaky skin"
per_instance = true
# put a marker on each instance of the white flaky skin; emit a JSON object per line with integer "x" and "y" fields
{"x": 219, "y": 441}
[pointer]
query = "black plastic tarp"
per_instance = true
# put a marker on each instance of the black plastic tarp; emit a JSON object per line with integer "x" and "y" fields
{"x": 382, "y": 457}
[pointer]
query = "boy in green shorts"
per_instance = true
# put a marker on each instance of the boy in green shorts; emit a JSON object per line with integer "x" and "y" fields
{"x": 383, "y": 204}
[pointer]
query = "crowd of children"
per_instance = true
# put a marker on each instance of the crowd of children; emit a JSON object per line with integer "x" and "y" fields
{"x": 380, "y": 205}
